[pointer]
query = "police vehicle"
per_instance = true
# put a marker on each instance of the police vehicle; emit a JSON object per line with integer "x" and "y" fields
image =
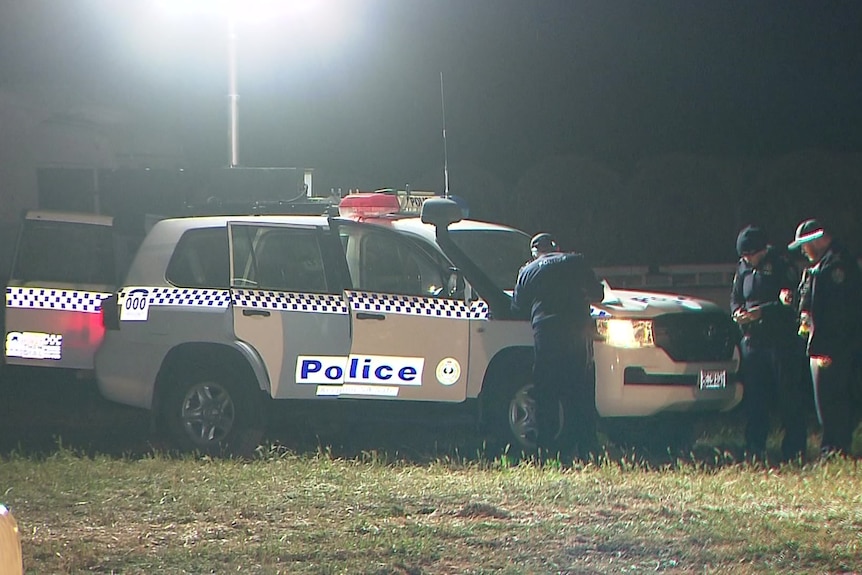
{"x": 64, "y": 265}
{"x": 220, "y": 315}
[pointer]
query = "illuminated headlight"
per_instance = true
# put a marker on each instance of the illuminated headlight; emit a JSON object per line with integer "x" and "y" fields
{"x": 628, "y": 333}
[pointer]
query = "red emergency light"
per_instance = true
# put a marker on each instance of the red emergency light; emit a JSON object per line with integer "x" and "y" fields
{"x": 369, "y": 205}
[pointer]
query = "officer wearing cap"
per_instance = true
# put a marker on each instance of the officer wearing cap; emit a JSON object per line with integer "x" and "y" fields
{"x": 830, "y": 318}
{"x": 760, "y": 302}
{"x": 556, "y": 289}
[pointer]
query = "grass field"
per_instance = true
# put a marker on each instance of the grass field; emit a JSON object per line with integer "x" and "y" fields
{"x": 92, "y": 496}
{"x": 288, "y": 513}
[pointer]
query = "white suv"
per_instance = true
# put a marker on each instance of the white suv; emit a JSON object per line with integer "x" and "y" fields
{"x": 221, "y": 314}
{"x": 64, "y": 265}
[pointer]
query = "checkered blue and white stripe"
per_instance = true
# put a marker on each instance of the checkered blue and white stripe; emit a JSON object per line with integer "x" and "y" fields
{"x": 52, "y": 298}
{"x": 288, "y": 301}
{"x": 313, "y": 303}
{"x": 213, "y": 298}
{"x": 415, "y": 305}
{"x": 479, "y": 310}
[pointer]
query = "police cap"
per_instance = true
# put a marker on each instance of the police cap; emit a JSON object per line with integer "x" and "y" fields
{"x": 750, "y": 241}
{"x": 807, "y": 231}
{"x": 543, "y": 242}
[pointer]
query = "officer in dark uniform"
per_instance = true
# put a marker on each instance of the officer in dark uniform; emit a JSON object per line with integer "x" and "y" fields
{"x": 830, "y": 315}
{"x": 772, "y": 364}
{"x": 556, "y": 289}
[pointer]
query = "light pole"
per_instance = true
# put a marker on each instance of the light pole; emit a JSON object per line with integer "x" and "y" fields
{"x": 306, "y": 13}
{"x": 232, "y": 96}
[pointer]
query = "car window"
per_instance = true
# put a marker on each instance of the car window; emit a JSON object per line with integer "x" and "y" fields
{"x": 200, "y": 259}
{"x": 55, "y": 251}
{"x": 277, "y": 258}
{"x": 498, "y": 253}
{"x": 386, "y": 262}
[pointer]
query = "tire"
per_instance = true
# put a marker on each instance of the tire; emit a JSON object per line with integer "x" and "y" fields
{"x": 217, "y": 413}
{"x": 511, "y": 421}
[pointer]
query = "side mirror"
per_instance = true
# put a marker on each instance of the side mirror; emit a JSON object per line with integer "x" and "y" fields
{"x": 440, "y": 212}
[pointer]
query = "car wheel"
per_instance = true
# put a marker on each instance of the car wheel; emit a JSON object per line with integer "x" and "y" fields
{"x": 512, "y": 420}
{"x": 522, "y": 421}
{"x": 214, "y": 414}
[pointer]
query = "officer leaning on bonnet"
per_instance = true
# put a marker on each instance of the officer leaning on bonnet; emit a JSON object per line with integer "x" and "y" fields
{"x": 830, "y": 317}
{"x": 556, "y": 288}
{"x": 771, "y": 361}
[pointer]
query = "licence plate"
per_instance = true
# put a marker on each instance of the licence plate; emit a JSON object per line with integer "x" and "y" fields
{"x": 712, "y": 379}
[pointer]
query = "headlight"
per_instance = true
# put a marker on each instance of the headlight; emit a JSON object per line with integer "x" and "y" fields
{"x": 628, "y": 333}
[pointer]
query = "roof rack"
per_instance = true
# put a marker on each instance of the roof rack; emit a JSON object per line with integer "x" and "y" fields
{"x": 306, "y": 207}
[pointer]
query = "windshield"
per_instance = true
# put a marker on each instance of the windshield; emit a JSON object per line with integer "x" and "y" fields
{"x": 499, "y": 253}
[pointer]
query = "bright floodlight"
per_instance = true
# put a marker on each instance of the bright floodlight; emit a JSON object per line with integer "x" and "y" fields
{"x": 242, "y": 10}
{"x": 305, "y": 15}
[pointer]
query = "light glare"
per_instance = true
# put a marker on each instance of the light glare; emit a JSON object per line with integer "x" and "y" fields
{"x": 626, "y": 333}
{"x": 245, "y": 10}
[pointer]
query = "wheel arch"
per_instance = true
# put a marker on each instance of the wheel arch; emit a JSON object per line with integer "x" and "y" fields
{"x": 508, "y": 365}
{"x": 209, "y": 356}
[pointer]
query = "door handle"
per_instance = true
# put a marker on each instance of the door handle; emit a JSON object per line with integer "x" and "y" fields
{"x": 250, "y": 312}
{"x": 364, "y": 315}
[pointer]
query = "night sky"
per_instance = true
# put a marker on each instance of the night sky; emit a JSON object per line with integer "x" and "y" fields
{"x": 358, "y": 91}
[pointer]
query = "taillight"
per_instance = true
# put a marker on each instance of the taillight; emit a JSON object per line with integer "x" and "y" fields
{"x": 110, "y": 312}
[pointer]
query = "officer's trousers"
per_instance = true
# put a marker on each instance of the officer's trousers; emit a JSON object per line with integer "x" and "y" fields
{"x": 772, "y": 375}
{"x": 833, "y": 401}
{"x": 561, "y": 378}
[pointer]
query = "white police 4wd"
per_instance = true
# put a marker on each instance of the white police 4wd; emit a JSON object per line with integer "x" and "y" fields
{"x": 220, "y": 315}
{"x": 64, "y": 265}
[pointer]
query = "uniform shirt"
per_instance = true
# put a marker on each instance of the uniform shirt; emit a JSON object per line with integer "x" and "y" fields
{"x": 556, "y": 286}
{"x": 832, "y": 295}
{"x": 759, "y": 287}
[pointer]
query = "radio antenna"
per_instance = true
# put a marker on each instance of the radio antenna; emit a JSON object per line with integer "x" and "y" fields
{"x": 445, "y": 153}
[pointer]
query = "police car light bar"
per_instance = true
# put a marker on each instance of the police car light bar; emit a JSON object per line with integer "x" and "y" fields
{"x": 368, "y": 205}
{"x": 385, "y": 202}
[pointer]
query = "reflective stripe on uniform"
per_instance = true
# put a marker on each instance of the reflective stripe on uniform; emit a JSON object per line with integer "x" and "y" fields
{"x": 53, "y": 298}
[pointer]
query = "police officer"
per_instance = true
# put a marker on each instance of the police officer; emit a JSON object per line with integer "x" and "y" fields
{"x": 556, "y": 289}
{"x": 760, "y": 302}
{"x": 830, "y": 316}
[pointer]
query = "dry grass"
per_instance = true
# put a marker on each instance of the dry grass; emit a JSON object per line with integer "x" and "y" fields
{"x": 102, "y": 500}
{"x": 317, "y": 513}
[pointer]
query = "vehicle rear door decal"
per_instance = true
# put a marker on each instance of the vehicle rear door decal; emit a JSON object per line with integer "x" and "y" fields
{"x": 53, "y": 298}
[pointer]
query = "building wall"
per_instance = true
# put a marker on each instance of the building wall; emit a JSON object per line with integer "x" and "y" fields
{"x": 17, "y": 156}
{"x": 53, "y": 132}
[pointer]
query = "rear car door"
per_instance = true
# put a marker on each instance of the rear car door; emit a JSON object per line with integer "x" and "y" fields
{"x": 410, "y": 340}
{"x": 287, "y": 290}
{"x": 64, "y": 265}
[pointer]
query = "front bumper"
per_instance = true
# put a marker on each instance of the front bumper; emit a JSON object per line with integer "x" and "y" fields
{"x": 646, "y": 381}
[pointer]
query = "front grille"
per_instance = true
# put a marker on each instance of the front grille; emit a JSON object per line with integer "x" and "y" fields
{"x": 696, "y": 336}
